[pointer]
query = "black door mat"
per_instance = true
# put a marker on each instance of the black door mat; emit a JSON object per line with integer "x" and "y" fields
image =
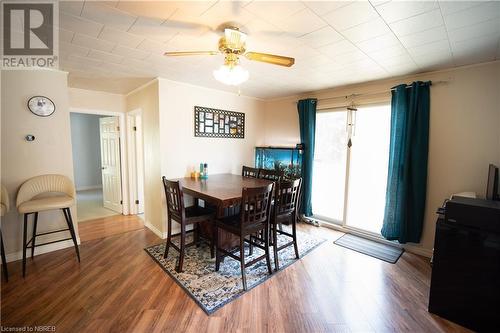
{"x": 374, "y": 249}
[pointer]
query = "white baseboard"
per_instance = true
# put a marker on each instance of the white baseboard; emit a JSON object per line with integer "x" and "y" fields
{"x": 41, "y": 250}
{"x": 157, "y": 232}
{"x": 90, "y": 187}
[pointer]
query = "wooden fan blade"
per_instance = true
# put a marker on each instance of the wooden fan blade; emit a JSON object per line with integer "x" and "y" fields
{"x": 270, "y": 58}
{"x": 190, "y": 53}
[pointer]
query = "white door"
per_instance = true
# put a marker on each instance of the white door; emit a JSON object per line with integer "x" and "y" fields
{"x": 110, "y": 163}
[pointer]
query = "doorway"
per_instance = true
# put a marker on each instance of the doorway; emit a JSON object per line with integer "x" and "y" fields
{"x": 88, "y": 167}
{"x": 350, "y": 166}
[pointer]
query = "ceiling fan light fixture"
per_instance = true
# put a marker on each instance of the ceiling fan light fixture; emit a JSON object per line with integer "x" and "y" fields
{"x": 234, "y": 38}
{"x": 231, "y": 75}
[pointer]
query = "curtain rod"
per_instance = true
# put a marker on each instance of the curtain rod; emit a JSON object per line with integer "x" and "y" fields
{"x": 375, "y": 93}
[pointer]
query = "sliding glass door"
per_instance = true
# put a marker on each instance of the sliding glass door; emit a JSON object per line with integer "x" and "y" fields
{"x": 350, "y": 166}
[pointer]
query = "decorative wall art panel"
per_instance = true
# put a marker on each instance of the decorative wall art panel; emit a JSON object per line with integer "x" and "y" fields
{"x": 213, "y": 123}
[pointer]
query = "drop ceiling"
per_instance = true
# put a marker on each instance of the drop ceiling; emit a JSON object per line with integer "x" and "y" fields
{"x": 117, "y": 45}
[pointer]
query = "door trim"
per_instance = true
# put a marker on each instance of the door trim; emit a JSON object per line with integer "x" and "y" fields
{"x": 123, "y": 151}
{"x": 131, "y": 153}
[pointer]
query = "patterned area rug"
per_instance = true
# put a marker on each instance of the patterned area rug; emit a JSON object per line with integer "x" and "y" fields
{"x": 212, "y": 290}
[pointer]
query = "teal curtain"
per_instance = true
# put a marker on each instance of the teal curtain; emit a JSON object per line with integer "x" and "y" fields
{"x": 407, "y": 175}
{"x": 307, "y": 121}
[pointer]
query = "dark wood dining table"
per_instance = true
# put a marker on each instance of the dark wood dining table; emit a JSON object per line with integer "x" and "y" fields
{"x": 222, "y": 191}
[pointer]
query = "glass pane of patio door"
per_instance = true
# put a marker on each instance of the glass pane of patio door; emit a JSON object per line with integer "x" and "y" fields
{"x": 368, "y": 164}
{"x": 329, "y": 170}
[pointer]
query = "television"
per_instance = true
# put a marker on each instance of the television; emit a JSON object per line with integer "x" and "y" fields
{"x": 492, "y": 187}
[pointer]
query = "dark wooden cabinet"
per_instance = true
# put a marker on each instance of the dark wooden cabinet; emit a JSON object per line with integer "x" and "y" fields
{"x": 465, "y": 283}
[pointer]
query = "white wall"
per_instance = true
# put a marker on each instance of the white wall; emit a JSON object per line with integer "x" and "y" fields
{"x": 49, "y": 153}
{"x": 464, "y": 130}
{"x": 96, "y": 100}
{"x": 86, "y": 150}
{"x": 181, "y": 150}
{"x": 147, "y": 100}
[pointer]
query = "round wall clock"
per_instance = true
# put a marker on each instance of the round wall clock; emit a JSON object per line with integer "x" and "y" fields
{"x": 41, "y": 106}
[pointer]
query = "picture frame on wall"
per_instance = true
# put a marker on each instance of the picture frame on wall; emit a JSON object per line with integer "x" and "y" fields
{"x": 215, "y": 123}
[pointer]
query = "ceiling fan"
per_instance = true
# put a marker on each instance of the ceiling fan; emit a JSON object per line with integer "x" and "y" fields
{"x": 233, "y": 45}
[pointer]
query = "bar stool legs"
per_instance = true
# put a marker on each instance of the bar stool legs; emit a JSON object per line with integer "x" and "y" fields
{"x": 4, "y": 260}
{"x": 69, "y": 221}
{"x": 32, "y": 242}
{"x": 25, "y": 243}
{"x": 35, "y": 222}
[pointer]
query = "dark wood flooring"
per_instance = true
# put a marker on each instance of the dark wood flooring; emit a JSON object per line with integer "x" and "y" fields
{"x": 118, "y": 288}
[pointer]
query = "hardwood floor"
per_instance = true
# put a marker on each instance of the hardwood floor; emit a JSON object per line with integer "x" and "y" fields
{"x": 118, "y": 288}
{"x": 108, "y": 226}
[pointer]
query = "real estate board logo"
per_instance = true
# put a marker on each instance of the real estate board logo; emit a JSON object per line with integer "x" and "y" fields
{"x": 30, "y": 34}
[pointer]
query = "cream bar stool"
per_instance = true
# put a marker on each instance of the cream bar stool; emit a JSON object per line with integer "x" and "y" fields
{"x": 41, "y": 193}
{"x": 4, "y": 208}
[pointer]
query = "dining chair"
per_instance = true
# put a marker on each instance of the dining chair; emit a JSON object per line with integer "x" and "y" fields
{"x": 43, "y": 193}
{"x": 250, "y": 172}
{"x": 286, "y": 202}
{"x": 274, "y": 175}
{"x": 192, "y": 215}
{"x": 4, "y": 209}
{"x": 254, "y": 217}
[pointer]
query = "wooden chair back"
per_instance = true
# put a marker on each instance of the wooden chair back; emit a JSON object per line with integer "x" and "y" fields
{"x": 287, "y": 196}
{"x": 174, "y": 198}
{"x": 250, "y": 172}
{"x": 273, "y": 175}
{"x": 256, "y": 205}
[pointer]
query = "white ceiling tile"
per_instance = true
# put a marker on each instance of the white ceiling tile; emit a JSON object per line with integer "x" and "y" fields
{"x": 112, "y": 17}
{"x": 130, "y": 52}
{"x": 353, "y": 14}
{"x": 93, "y": 43}
{"x": 368, "y": 30}
{"x": 424, "y": 37}
{"x": 379, "y": 43}
{"x": 431, "y": 61}
{"x": 325, "y": 7}
{"x": 65, "y": 35}
{"x": 378, "y": 2}
{"x": 398, "y": 10}
{"x": 449, "y": 7}
{"x": 84, "y": 61}
{"x": 348, "y": 58}
{"x": 152, "y": 46}
{"x": 120, "y": 37}
{"x": 80, "y": 25}
{"x": 403, "y": 69}
{"x": 388, "y": 52}
{"x": 157, "y": 9}
{"x": 400, "y": 60}
{"x": 105, "y": 56}
{"x": 417, "y": 23}
{"x": 300, "y": 23}
{"x": 337, "y": 48}
{"x": 321, "y": 37}
{"x": 269, "y": 10}
{"x": 486, "y": 44}
{"x": 486, "y": 28}
{"x": 71, "y": 7}
{"x": 69, "y": 49}
{"x": 473, "y": 15}
{"x": 434, "y": 47}
{"x": 152, "y": 29}
{"x": 260, "y": 27}
{"x": 224, "y": 11}
{"x": 207, "y": 42}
